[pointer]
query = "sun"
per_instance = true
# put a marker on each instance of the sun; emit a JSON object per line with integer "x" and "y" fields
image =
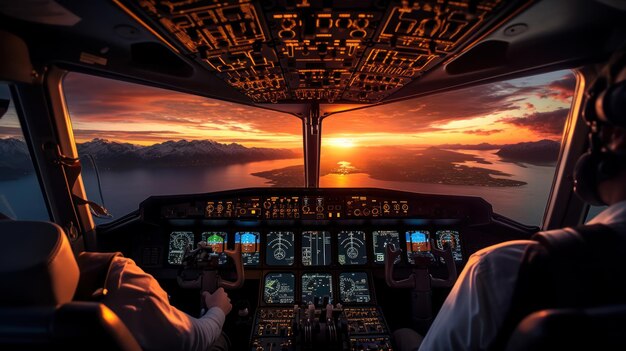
{"x": 341, "y": 142}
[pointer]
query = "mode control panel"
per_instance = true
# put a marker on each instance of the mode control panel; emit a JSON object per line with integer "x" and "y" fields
{"x": 332, "y": 204}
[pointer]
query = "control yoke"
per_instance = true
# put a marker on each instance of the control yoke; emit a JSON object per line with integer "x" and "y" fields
{"x": 201, "y": 269}
{"x": 420, "y": 280}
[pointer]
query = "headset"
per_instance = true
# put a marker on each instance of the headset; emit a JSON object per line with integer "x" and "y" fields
{"x": 605, "y": 105}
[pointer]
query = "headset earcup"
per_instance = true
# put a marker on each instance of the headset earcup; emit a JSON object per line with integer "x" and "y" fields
{"x": 586, "y": 179}
{"x": 610, "y": 106}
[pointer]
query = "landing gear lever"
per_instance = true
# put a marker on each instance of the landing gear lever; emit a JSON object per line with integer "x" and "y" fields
{"x": 421, "y": 281}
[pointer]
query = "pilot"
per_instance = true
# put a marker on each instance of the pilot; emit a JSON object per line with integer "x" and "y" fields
{"x": 140, "y": 302}
{"x": 478, "y": 307}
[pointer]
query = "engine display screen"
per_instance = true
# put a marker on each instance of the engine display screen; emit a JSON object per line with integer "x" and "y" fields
{"x": 218, "y": 241}
{"x": 354, "y": 287}
{"x": 279, "y": 250}
{"x": 249, "y": 244}
{"x": 352, "y": 249}
{"x": 179, "y": 241}
{"x": 450, "y": 237}
{"x": 316, "y": 248}
{"x": 381, "y": 239}
{"x": 279, "y": 288}
{"x": 416, "y": 241}
{"x": 318, "y": 285}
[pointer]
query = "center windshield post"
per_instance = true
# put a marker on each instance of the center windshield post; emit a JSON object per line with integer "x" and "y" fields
{"x": 312, "y": 132}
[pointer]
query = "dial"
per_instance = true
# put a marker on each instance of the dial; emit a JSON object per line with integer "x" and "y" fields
{"x": 179, "y": 241}
{"x": 450, "y": 237}
{"x": 279, "y": 288}
{"x": 316, "y": 285}
{"x": 352, "y": 249}
{"x": 382, "y": 238}
{"x": 354, "y": 287}
{"x": 279, "y": 249}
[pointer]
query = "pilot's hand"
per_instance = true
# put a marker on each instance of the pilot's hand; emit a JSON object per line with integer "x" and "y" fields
{"x": 218, "y": 299}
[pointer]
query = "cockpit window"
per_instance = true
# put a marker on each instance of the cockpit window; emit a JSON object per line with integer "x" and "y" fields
{"x": 20, "y": 193}
{"x": 147, "y": 141}
{"x": 499, "y": 141}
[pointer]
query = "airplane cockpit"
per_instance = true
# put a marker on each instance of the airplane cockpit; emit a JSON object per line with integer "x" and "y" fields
{"x": 333, "y": 165}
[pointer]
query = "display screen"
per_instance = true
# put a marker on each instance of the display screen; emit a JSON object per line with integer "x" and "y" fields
{"x": 316, "y": 248}
{"x": 354, "y": 287}
{"x": 249, "y": 244}
{"x": 218, "y": 241}
{"x": 279, "y": 288}
{"x": 416, "y": 241}
{"x": 318, "y": 285}
{"x": 450, "y": 237}
{"x": 279, "y": 249}
{"x": 351, "y": 247}
{"x": 381, "y": 239}
{"x": 179, "y": 241}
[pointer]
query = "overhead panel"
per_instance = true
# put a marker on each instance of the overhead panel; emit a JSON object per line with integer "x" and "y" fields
{"x": 348, "y": 51}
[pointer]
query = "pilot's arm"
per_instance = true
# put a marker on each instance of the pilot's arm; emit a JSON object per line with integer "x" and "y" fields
{"x": 473, "y": 312}
{"x": 140, "y": 302}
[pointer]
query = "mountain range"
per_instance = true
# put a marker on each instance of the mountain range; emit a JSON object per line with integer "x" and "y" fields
{"x": 15, "y": 160}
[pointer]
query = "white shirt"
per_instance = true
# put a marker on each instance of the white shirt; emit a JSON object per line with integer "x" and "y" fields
{"x": 140, "y": 302}
{"x": 475, "y": 309}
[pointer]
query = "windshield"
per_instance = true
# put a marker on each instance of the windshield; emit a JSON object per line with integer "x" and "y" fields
{"x": 146, "y": 141}
{"x": 499, "y": 141}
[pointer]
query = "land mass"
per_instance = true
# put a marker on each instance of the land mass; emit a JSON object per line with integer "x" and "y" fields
{"x": 543, "y": 152}
{"x": 16, "y": 161}
{"x": 431, "y": 165}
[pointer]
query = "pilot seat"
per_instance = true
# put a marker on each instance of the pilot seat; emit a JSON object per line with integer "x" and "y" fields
{"x": 39, "y": 276}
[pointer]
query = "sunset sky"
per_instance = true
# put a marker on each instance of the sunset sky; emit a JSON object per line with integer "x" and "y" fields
{"x": 526, "y": 109}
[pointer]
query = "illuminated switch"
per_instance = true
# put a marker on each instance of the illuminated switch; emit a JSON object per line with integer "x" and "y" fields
{"x": 330, "y": 215}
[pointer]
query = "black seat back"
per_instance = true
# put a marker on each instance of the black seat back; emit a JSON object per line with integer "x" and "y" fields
{"x": 571, "y": 287}
{"x": 39, "y": 276}
{"x": 71, "y": 326}
{"x": 600, "y": 328}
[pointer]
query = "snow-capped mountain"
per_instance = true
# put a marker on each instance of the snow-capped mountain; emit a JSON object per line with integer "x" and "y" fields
{"x": 15, "y": 159}
{"x": 177, "y": 153}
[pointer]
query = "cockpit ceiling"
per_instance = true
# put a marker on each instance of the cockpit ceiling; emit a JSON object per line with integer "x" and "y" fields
{"x": 351, "y": 51}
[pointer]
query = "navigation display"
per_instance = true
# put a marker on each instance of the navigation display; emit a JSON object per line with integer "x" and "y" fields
{"x": 179, "y": 241}
{"x": 249, "y": 243}
{"x": 381, "y": 239}
{"x": 279, "y": 250}
{"x": 450, "y": 237}
{"x": 279, "y": 288}
{"x": 218, "y": 241}
{"x": 316, "y": 248}
{"x": 416, "y": 241}
{"x": 352, "y": 247}
{"x": 354, "y": 287}
{"x": 318, "y": 285}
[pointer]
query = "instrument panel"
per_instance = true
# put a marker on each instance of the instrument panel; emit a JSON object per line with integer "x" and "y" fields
{"x": 311, "y": 228}
{"x": 316, "y": 248}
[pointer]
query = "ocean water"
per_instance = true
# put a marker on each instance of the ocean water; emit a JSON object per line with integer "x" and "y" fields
{"x": 123, "y": 190}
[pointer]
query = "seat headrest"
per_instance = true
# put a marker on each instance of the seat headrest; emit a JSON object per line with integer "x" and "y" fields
{"x": 37, "y": 265}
